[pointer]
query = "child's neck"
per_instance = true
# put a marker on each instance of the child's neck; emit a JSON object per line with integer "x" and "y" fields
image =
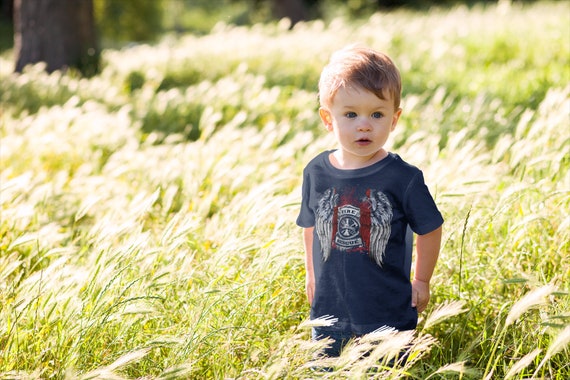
{"x": 340, "y": 160}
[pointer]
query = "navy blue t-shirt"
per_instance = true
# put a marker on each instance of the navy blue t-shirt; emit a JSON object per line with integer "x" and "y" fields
{"x": 360, "y": 217}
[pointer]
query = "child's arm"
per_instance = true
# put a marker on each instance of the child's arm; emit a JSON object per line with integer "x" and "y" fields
{"x": 309, "y": 271}
{"x": 427, "y": 247}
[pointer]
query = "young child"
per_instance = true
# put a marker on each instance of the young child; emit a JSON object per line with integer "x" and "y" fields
{"x": 357, "y": 202}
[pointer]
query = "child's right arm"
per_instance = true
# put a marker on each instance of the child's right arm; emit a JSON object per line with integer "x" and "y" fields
{"x": 309, "y": 271}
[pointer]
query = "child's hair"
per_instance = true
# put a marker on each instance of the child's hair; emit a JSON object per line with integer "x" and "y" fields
{"x": 364, "y": 67}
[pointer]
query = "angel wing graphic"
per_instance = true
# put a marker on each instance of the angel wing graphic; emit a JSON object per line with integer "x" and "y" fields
{"x": 380, "y": 225}
{"x": 324, "y": 220}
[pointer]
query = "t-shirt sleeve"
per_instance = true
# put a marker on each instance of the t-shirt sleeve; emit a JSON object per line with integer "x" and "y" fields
{"x": 423, "y": 214}
{"x": 306, "y": 216}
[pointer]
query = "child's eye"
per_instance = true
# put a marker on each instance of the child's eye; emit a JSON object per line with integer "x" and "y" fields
{"x": 377, "y": 115}
{"x": 350, "y": 115}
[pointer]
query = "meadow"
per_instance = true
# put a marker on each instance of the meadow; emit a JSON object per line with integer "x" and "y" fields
{"x": 147, "y": 224}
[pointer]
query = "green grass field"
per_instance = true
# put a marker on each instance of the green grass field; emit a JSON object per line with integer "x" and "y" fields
{"x": 147, "y": 214}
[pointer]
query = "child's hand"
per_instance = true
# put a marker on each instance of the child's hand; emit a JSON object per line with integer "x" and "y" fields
{"x": 310, "y": 288}
{"x": 420, "y": 295}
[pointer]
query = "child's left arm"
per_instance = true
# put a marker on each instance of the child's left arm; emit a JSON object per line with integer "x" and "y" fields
{"x": 427, "y": 247}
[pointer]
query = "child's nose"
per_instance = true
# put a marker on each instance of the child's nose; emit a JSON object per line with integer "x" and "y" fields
{"x": 364, "y": 125}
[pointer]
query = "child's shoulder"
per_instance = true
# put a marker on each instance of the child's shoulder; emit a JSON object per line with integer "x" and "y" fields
{"x": 399, "y": 162}
{"x": 319, "y": 160}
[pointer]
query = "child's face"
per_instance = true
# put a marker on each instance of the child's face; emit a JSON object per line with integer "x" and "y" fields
{"x": 361, "y": 122}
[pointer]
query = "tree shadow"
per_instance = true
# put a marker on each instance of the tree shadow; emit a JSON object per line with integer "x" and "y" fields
{"x": 6, "y": 35}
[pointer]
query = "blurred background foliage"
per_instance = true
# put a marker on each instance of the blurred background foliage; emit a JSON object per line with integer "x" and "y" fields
{"x": 169, "y": 84}
{"x": 127, "y": 21}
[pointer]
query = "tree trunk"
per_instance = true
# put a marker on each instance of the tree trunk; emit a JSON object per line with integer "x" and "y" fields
{"x": 60, "y": 33}
{"x": 295, "y": 10}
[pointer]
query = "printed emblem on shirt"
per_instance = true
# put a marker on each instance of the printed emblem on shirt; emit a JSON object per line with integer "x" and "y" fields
{"x": 349, "y": 224}
{"x": 348, "y": 229}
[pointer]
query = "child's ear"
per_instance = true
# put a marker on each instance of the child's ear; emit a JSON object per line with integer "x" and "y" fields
{"x": 396, "y": 117}
{"x": 326, "y": 117}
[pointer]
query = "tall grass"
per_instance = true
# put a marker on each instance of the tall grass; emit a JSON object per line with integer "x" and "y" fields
{"x": 147, "y": 214}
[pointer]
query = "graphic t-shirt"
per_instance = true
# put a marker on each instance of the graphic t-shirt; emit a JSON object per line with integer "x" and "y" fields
{"x": 360, "y": 216}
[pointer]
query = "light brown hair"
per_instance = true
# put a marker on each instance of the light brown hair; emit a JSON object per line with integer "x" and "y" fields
{"x": 364, "y": 67}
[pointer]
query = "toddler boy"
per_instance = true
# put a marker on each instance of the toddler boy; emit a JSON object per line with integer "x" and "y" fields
{"x": 357, "y": 202}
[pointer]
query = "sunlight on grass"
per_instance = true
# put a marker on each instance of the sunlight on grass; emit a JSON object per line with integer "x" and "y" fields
{"x": 147, "y": 214}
